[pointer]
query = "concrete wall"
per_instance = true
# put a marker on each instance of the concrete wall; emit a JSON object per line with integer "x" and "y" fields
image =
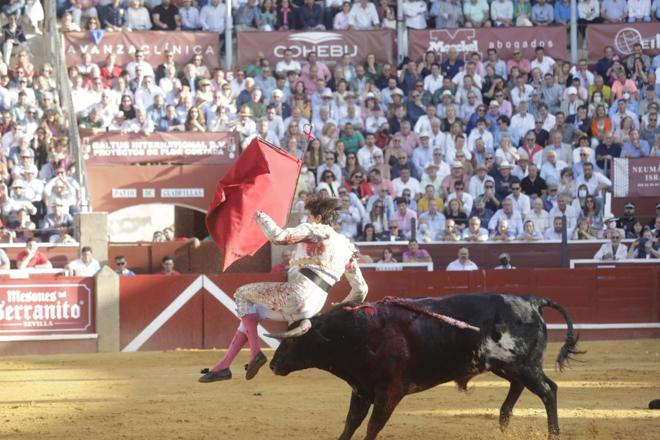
{"x": 138, "y": 223}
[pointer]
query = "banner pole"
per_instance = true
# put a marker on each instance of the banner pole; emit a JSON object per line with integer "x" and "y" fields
{"x": 229, "y": 41}
{"x": 574, "y": 42}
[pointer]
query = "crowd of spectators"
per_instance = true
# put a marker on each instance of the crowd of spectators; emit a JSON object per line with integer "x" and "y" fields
{"x": 471, "y": 149}
{"x": 467, "y": 147}
{"x": 38, "y": 194}
{"x": 270, "y": 15}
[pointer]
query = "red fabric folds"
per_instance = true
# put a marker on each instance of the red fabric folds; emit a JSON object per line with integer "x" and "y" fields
{"x": 263, "y": 178}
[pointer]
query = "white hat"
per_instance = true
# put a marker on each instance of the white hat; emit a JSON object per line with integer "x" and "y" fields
{"x": 572, "y": 90}
{"x": 457, "y": 164}
{"x": 506, "y": 164}
{"x": 397, "y": 91}
{"x": 424, "y": 134}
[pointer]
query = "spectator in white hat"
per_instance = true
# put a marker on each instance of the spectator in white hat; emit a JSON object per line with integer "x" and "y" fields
{"x": 18, "y": 199}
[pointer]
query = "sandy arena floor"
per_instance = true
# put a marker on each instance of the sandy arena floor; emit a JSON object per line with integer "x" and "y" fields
{"x": 156, "y": 396}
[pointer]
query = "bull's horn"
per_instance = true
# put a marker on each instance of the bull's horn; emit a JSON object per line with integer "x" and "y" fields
{"x": 295, "y": 332}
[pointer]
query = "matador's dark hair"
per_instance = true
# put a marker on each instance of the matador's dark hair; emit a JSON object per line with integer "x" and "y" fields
{"x": 326, "y": 207}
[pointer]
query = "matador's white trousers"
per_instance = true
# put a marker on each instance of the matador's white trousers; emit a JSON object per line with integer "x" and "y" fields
{"x": 296, "y": 299}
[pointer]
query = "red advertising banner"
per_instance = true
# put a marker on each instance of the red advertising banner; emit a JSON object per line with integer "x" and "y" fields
{"x": 330, "y": 46}
{"x": 505, "y": 40}
{"x": 637, "y": 177}
{"x": 116, "y": 186}
{"x": 100, "y": 44}
{"x": 622, "y": 37}
{"x": 178, "y": 148}
{"x": 55, "y": 307}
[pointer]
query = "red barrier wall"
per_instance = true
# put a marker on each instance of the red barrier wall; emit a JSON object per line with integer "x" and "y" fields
{"x": 590, "y": 295}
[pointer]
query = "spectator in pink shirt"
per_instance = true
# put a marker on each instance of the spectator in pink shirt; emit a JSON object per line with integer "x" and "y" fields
{"x": 414, "y": 254}
{"x": 623, "y": 85}
{"x": 403, "y": 215}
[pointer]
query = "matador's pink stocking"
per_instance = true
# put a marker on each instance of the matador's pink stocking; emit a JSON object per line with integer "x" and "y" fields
{"x": 250, "y": 323}
{"x": 234, "y": 348}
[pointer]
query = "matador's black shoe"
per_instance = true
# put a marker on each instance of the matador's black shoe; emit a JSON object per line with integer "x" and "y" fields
{"x": 214, "y": 376}
{"x": 255, "y": 364}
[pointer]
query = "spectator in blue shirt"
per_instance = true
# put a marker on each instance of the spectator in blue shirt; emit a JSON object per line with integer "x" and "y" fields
{"x": 310, "y": 16}
{"x": 113, "y": 16}
{"x": 246, "y": 16}
{"x": 655, "y": 9}
{"x": 542, "y": 14}
{"x": 635, "y": 147}
{"x": 614, "y": 11}
{"x": 453, "y": 64}
{"x": 562, "y": 12}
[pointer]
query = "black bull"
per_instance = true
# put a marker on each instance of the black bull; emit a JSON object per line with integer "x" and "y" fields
{"x": 386, "y": 352}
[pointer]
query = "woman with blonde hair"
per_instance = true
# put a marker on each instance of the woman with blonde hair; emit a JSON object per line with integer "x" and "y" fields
{"x": 378, "y": 217}
{"x": 329, "y": 136}
{"x": 52, "y": 121}
{"x": 393, "y": 150}
{"x": 584, "y": 231}
{"x": 600, "y": 123}
{"x": 195, "y": 120}
{"x": 301, "y": 101}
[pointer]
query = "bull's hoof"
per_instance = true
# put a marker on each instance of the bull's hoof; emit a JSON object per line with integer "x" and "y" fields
{"x": 504, "y": 423}
{"x": 214, "y": 376}
{"x": 255, "y": 364}
{"x": 654, "y": 404}
{"x": 553, "y": 435}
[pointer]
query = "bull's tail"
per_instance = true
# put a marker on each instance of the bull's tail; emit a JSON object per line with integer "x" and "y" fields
{"x": 569, "y": 349}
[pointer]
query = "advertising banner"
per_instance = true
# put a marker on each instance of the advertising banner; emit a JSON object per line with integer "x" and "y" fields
{"x": 637, "y": 177}
{"x": 622, "y": 37}
{"x": 100, "y": 44}
{"x": 329, "y": 46}
{"x": 505, "y": 40}
{"x": 116, "y": 186}
{"x": 31, "y": 308}
{"x": 177, "y": 148}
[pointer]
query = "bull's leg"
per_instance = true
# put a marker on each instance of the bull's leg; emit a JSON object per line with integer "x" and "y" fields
{"x": 538, "y": 383}
{"x": 384, "y": 404}
{"x": 515, "y": 390}
{"x": 356, "y": 414}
